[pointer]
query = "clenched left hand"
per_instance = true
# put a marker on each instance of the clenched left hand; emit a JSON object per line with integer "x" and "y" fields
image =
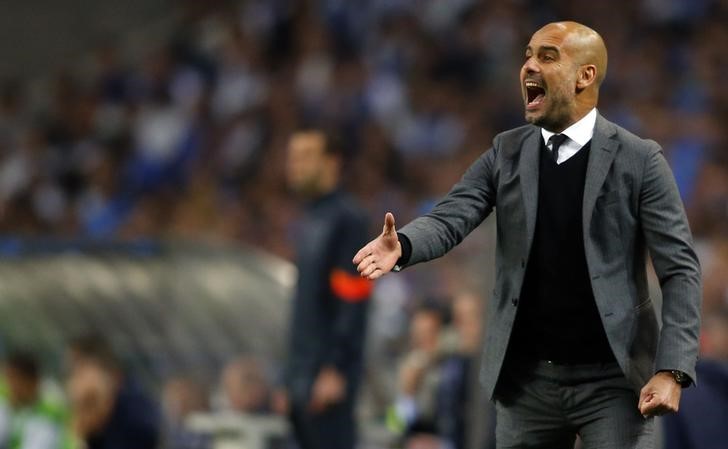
{"x": 661, "y": 395}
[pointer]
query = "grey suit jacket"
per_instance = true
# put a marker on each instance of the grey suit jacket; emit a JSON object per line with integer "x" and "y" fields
{"x": 631, "y": 205}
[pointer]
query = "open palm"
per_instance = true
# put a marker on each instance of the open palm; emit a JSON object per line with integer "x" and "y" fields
{"x": 380, "y": 255}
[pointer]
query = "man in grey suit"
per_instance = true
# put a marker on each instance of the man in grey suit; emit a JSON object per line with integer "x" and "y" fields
{"x": 573, "y": 343}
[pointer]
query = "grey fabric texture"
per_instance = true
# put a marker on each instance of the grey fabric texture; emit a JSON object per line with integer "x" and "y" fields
{"x": 631, "y": 205}
{"x": 546, "y": 406}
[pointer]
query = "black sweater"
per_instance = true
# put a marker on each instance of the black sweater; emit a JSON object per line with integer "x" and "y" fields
{"x": 558, "y": 318}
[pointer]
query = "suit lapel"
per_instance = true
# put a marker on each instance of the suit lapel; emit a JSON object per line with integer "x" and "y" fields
{"x": 603, "y": 151}
{"x": 529, "y": 172}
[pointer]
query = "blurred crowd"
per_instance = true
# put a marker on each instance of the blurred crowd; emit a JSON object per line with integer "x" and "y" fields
{"x": 97, "y": 403}
{"x": 423, "y": 391}
{"x": 185, "y": 138}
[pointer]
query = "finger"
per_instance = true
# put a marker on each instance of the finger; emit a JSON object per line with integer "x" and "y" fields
{"x": 370, "y": 258}
{"x": 651, "y": 407}
{"x": 645, "y": 395}
{"x": 366, "y": 263}
{"x": 361, "y": 255}
{"x": 376, "y": 275}
{"x": 388, "y": 224}
{"x": 369, "y": 270}
{"x": 644, "y": 404}
{"x": 364, "y": 252}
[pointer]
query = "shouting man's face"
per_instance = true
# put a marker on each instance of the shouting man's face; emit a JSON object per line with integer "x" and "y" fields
{"x": 564, "y": 64}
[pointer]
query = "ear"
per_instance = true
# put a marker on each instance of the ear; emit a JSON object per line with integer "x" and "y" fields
{"x": 586, "y": 76}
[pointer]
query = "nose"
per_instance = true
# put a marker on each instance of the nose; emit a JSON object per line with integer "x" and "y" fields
{"x": 530, "y": 66}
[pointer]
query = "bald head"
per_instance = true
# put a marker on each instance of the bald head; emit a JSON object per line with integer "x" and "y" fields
{"x": 565, "y": 64}
{"x": 585, "y": 45}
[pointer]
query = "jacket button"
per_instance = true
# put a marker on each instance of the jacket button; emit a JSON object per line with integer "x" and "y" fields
{"x": 523, "y": 263}
{"x": 514, "y": 301}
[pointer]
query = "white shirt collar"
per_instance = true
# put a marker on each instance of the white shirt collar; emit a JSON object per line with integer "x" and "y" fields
{"x": 580, "y": 132}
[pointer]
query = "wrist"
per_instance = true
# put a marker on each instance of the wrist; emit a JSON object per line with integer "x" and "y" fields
{"x": 677, "y": 376}
{"x": 404, "y": 250}
{"x": 399, "y": 264}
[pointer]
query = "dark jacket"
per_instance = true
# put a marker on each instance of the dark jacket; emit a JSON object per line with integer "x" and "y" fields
{"x": 328, "y": 319}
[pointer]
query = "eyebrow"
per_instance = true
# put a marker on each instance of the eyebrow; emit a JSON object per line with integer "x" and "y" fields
{"x": 545, "y": 48}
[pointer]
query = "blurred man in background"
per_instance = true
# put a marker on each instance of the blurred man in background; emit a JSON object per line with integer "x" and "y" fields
{"x": 109, "y": 410}
{"x": 27, "y": 419}
{"x": 328, "y": 319}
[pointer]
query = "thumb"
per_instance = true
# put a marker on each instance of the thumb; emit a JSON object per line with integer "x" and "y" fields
{"x": 388, "y": 224}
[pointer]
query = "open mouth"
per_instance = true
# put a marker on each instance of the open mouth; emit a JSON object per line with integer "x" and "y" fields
{"x": 535, "y": 94}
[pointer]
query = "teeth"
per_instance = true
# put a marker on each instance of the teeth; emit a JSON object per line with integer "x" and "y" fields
{"x": 531, "y": 84}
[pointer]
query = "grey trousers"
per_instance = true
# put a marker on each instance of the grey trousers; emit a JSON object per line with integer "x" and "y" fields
{"x": 545, "y": 405}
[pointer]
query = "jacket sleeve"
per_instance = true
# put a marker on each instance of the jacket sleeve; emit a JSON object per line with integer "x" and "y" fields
{"x": 350, "y": 293}
{"x": 467, "y": 204}
{"x": 667, "y": 234}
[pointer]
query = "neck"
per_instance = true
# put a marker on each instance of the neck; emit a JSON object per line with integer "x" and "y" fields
{"x": 328, "y": 183}
{"x": 578, "y": 114}
{"x": 321, "y": 193}
{"x": 585, "y": 102}
{"x": 326, "y": 192}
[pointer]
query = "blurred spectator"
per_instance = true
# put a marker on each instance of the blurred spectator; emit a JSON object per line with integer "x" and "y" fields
{"x": 27, "y": 419}
{"x": 439, "y": 393}
{"x": 709, "y": 203}
{"x": 715, "y": 287}
{"x": 419, "y": 374}
{"x": 182, "y": 397}
{"x": 467, "y": 322}
{"x": 245, "y": 386}
{"x": 110, "y": 149}
{"x": 460, "y": 401}
{"x": 714, "y": 340}
{"x": 109, "y": 410}
{"x": 90, "y": 150}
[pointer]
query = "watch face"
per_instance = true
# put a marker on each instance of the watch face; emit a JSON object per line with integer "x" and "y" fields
{"x": 680, "y": 377}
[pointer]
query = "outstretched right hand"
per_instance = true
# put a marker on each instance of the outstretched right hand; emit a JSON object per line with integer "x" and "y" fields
{"x": 380, "y": 255}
